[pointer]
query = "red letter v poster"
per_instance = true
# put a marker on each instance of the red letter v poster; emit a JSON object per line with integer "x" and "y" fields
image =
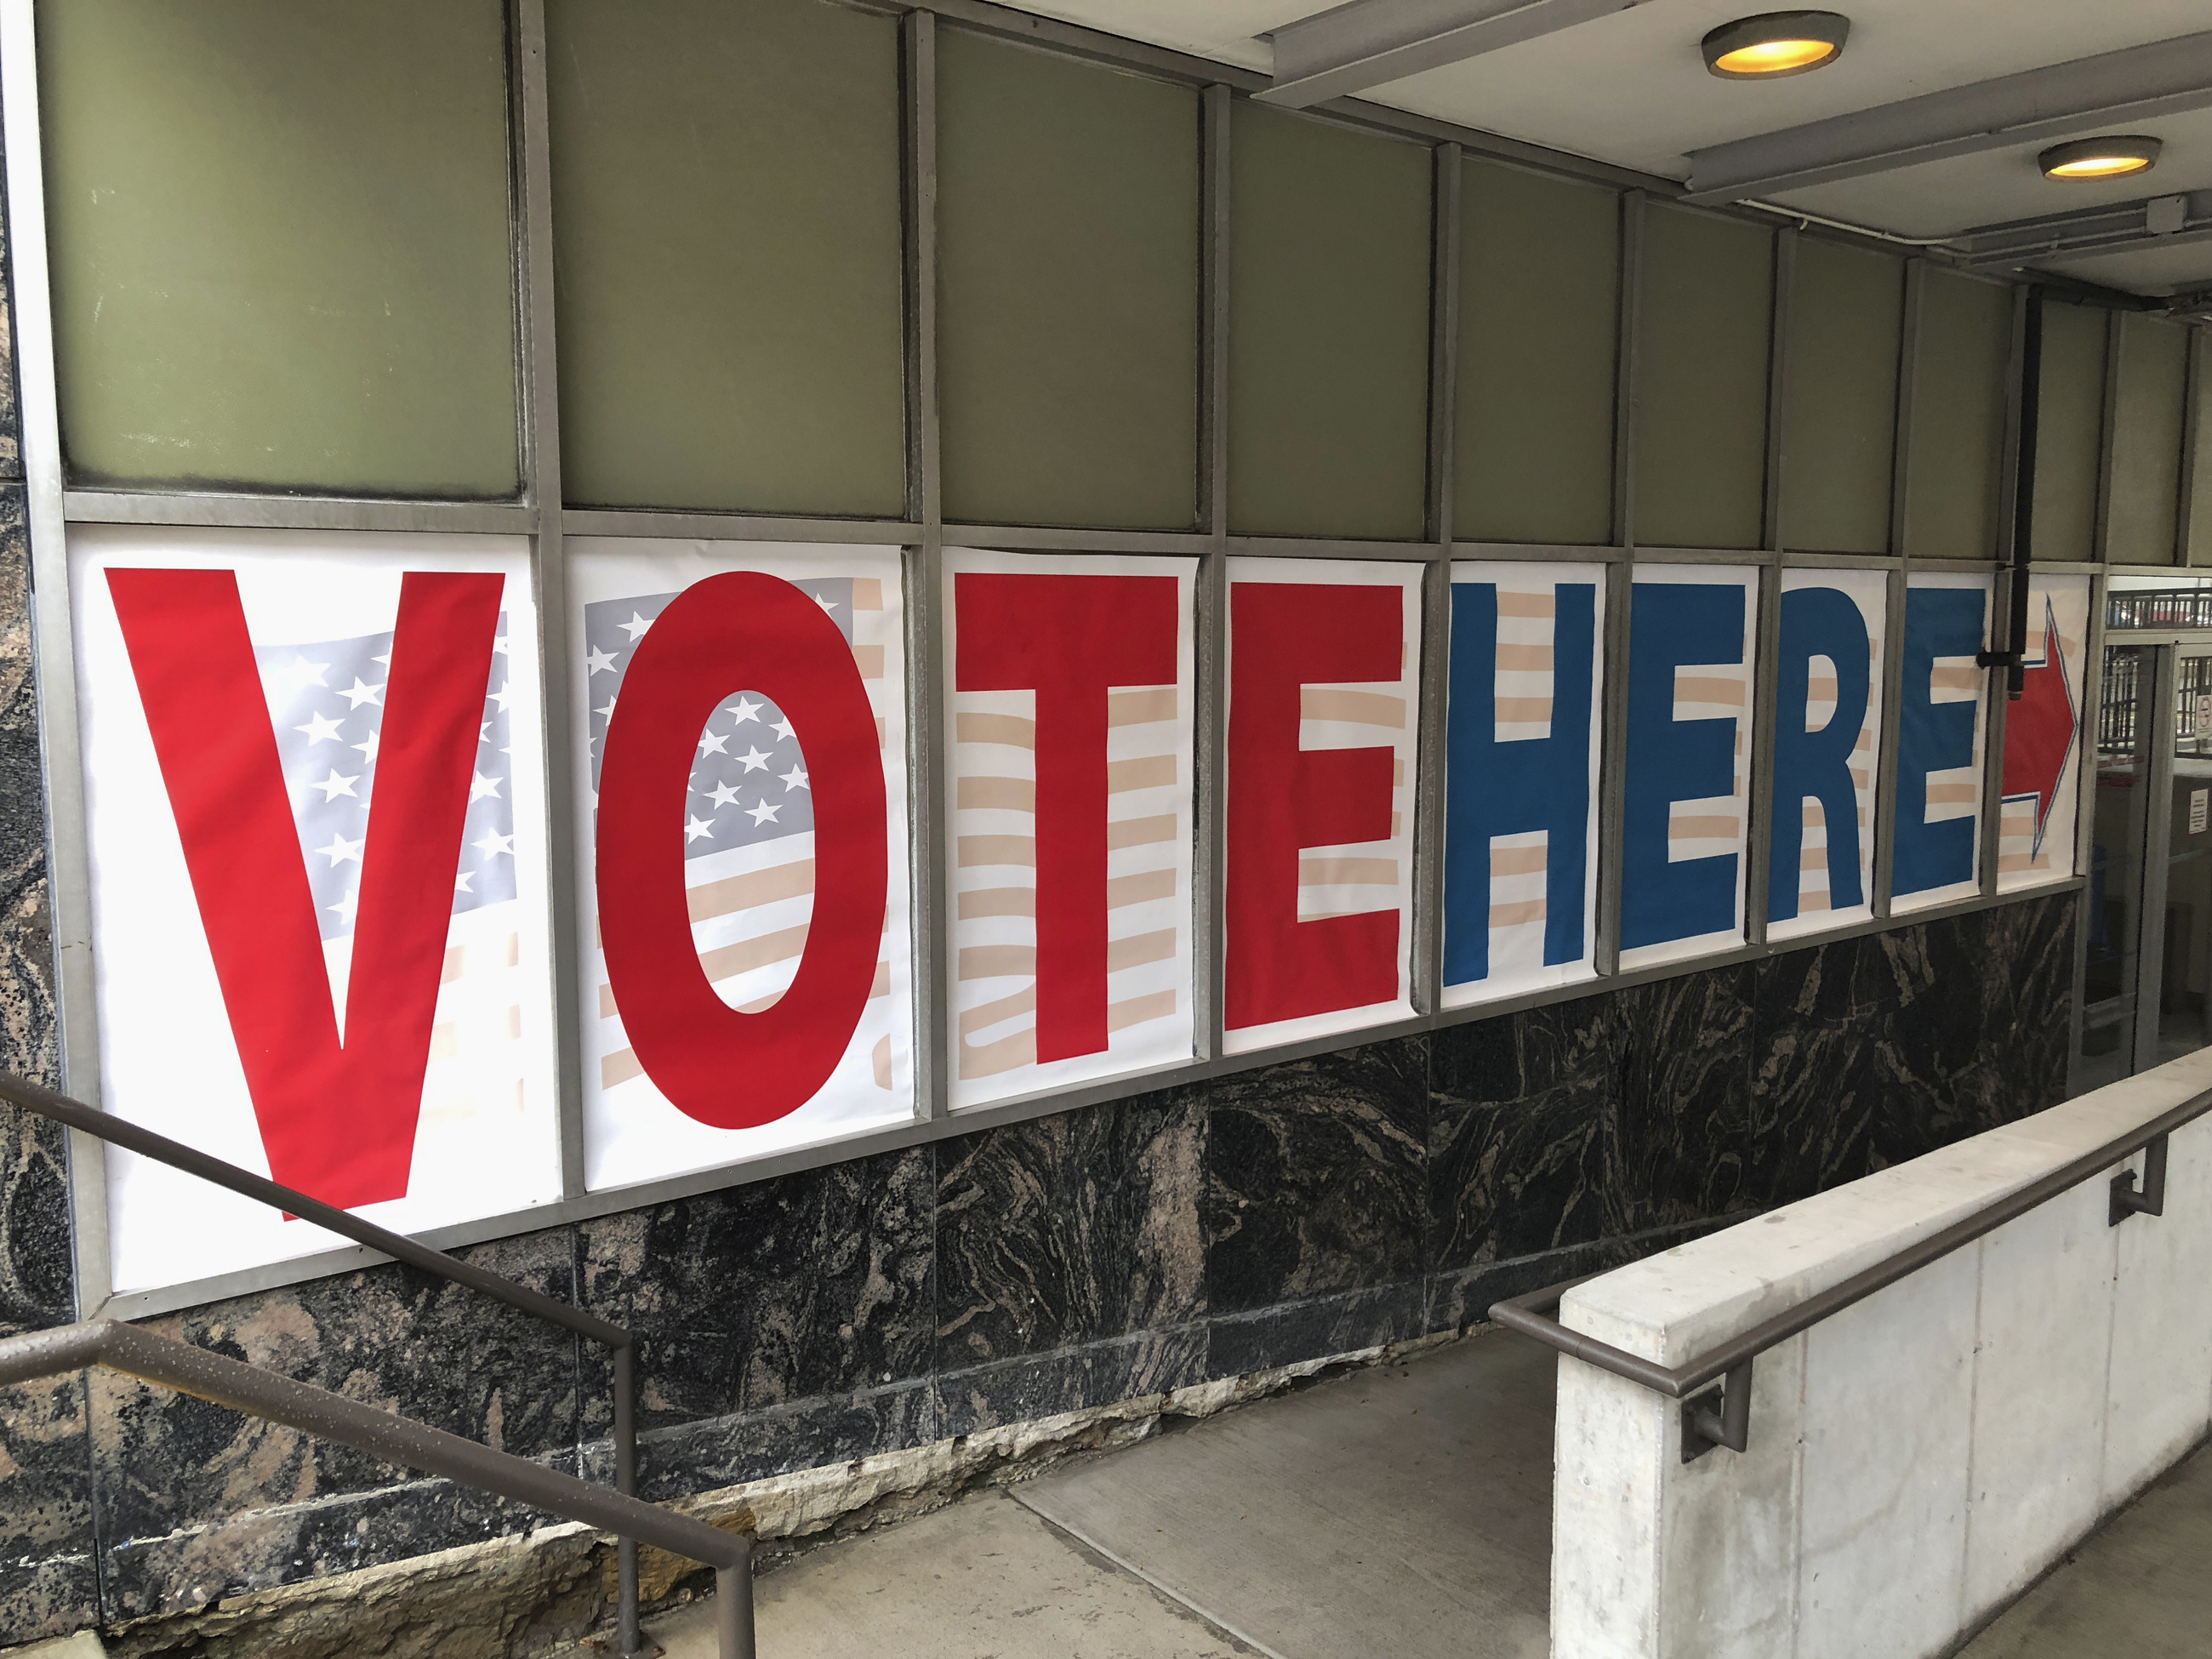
{"x": 316, "y": 820}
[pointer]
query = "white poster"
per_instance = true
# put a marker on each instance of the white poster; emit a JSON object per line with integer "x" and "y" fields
{"x": 1069, "y": 788}
{"x": 1525, "y": 724}
{"x": 317, "y": 825}
{"x": 1827, "y": 750}
{"x": 1942, "y": 732}
{"x": 1686, "y": 774}
{"x": 740, "y": 741}
{"x": 2042, "y": 789}
{"x": 1324, "y": 716}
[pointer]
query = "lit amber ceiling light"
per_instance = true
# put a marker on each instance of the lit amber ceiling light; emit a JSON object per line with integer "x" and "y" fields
{"x": 2100, "y": 158}
{"x": 1776, "y": 43}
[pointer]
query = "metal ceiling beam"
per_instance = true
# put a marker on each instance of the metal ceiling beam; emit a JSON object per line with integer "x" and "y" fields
{"x": 2130, "y": 227}
{"x": 2040, "y": 105}
{"x": 1353, "y": 48}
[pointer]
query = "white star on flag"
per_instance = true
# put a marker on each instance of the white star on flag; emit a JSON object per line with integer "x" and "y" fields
{"x": 600, "y": 662}
{"x": 480, "y": 786}
{"x": 795, "y": 779}
{"x": 335, "y": 785}
{"x": 754, "y": 760}
{"x": 319, "y": 729}
{"x": 635, "y": 627}
{"x": 357, "y": 693}
{"x": 341, "y": 849}
{"x": 763, "y": 813}
{"x": 697, "y": 828}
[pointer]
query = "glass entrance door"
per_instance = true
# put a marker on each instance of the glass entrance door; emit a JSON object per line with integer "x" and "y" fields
{"x": 2147, "y": 988}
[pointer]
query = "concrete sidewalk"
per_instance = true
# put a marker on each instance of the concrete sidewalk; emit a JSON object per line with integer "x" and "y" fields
{"x": 1402, "y": 1510}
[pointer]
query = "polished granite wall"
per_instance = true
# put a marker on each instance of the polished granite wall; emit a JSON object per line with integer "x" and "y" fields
{"x": 1300, "y": 1210}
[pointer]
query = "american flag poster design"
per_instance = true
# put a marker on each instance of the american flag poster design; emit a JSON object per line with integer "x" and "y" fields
{"x": 1942, "y": 733}
{"x": 1324, "y": 718}
{"x": 1069, "y": 783}
{"x": 742, "y": 833}
{"x": 2042, "y": 786}
{"x": 1686, "y": 819}
{"x": 316, "y": 812}
{"x": 1827, "y": 742}
{"x": 1523, "y": 725}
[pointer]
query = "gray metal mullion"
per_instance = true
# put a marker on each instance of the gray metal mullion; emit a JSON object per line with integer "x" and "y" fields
{"x": 2158, "y": 828}
{"x": 1894, "y": 591}
{"x": 1058, "y": 538}
{"x": 1778, "y": 389}
{"x": 273, "y": 512}
{"x": 1760, "y": 804}
{"x": 1995, "y": 702}
{"x": 1760, "y": 831}
{"x": 1210, "y": 658}
{"x": 1428, "y": 941}
{"x": 925, "y": 689}
{"x": 1619, "y": 590}
{"x": 68, "y": 865}
{"x": 2187, "y": 506}
{"x": 652, "y": 522}
{"x": 550, "y": 569}
{"x": 2115, "y": 340}
{"x": 2085, "y": 822}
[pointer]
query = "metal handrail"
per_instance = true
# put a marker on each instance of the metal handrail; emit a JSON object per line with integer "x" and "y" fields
{"x": 279, "y": 1399}
{"x": 1722, "y": 1417}
{"x": 61, "y": 1109}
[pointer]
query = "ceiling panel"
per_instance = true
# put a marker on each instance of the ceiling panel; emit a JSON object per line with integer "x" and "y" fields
{"x": 1226, "y": 30}
{"x": 2179, "y": 270}
{"x": 1632, "y": 88}
{"x": 1940, "y": 198}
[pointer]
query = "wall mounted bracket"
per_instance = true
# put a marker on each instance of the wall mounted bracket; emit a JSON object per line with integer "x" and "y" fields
{"x": 2151, "y": 1201}
{"x": 1718, "y": 1417}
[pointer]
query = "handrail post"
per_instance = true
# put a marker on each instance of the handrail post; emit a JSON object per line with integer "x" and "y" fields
{"x": 733, "y": 1608}
{"x": 626, "y": 1484}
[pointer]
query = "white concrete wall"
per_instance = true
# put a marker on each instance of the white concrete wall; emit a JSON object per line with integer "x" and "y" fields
{"x": 1917, "y": 1459}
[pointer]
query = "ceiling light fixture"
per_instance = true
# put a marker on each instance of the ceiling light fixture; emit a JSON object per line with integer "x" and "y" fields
{"x": 2100, "y": 158}
{"x": 1776, "y": 43}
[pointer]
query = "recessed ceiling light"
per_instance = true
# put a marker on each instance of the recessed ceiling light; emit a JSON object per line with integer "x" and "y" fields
{"x": 2100, "y": 158}
{"x": 1776, "y": 43}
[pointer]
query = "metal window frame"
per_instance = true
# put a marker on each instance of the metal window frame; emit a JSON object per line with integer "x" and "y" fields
{"x": 540, "y": 514}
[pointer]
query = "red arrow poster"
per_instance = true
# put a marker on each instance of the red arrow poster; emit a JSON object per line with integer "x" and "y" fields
{"x": 2043, "y": 739}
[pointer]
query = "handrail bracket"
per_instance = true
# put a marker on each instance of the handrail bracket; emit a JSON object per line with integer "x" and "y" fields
{"x": 1720, "y": 1416}
{"x": 2151, "y": 1201}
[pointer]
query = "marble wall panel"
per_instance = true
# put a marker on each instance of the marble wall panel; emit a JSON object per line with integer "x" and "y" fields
{"x": 1071, "y": 1228}
{"x": 1074, "y": 1379}
{"x": 709, "y": 1453}
{"x": 1516, "y": 1148}
{"x": 1678, "y": 1126}
{"x": 1345, "y": 1322}
{"x": 1317, "y": 1176}
{"x": 806, "y": 1285}
{"x": 438, "y": 1353}
{"x": 47, "y": 1577}
{"x": 1824, "y": 1018}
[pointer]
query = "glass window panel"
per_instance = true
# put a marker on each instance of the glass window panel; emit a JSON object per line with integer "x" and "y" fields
{"x": 1963, "y": 350}
{"x": 2147, "y": 418}
{"x": 1329, "y": 330}
{"x": 1539, "y": 328}
{"x": 1846, "y": 313}
{"x": 1067, "y": 308}
{"x": 726, "y": 205}
{"x": 1708, "y": 309}
{"x": 2069, "y": 431}
{"x": 2119, "y": 828}
{"x": 280, "y": 240}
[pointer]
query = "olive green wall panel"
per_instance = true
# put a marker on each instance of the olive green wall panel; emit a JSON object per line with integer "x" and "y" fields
{"x": 728, "y": 254}
{"x": 1539, "y": 347}
{"x": 2069, "y": 431}
{"x": 1963, "y": 354}
{"x": 2200, "y": 453}
{"x": 1708, "y": 308}
{"x": 279, "y": 235}
{"x": 1839, "y": 431}
{"x": 2147, "y": 416}
{"x": 1068, "y": 295}
{"x": 1328, "y": 328}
